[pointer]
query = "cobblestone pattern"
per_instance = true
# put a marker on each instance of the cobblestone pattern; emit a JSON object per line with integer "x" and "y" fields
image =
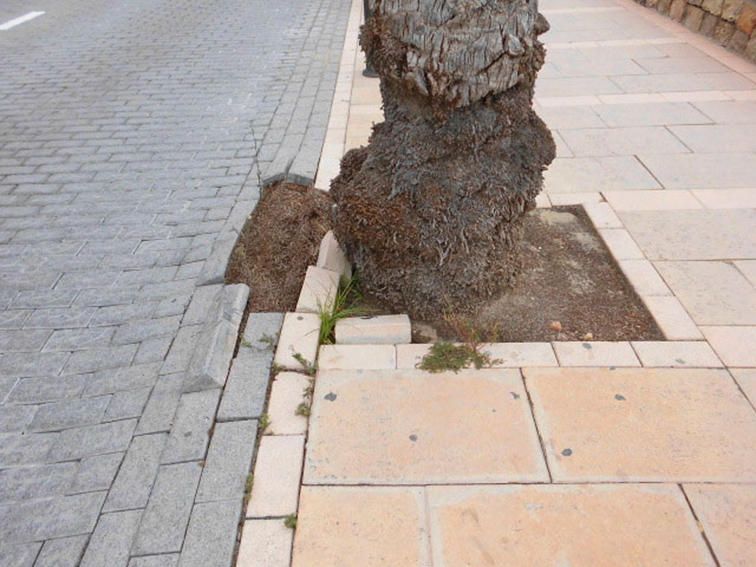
{"x": 133, "y": 138}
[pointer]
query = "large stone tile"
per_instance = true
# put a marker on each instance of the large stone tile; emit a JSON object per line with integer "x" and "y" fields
{"x": 579, "y": 526}
{"x": 714, "y": 293}
{"x": 622, "y": 141}
{"x": 693, "y": 235}
{"x": 728, "y": 515}
{"x": 569, "y": 175}
{"x": 369, "y": 527}
{"x": 729, "y": 111}
{"x": 735, "y": 345}
{"x": 702, "y": 171}
{"x": 666, "y": 425}
{"x": 650, "y": 114}
{"x": 412, "y": 427}
{"x": 746, "y": 379}
{"x": 715, "y": 138}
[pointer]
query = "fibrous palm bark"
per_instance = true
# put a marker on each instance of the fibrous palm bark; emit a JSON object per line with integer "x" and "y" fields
{"x": 430, "y": 212}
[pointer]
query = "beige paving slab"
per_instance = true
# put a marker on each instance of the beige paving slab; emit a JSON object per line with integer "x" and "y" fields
{"x": 572, "y": 353}
{"x": 727, "y": 198}
{"x": 265, "y": 543}
{"x": 561, "y": 117}
{"x": 357, "y": 357}
{"x": 286, "y": 394}
{"x": 693, "y": 235}
{"x": 748, "y": 269}
{"x": 299, "y": 335}
{"x": 746, "y": 379}
{"x": 374, "y": 329}
{"x": 736, "y": 346}
{"x": 702, "y": 171}
{"x": 644, "y": 277}
{"x": 318, "y": 291}
{"x": 668, "y": 425}
{"x": 714, "y": 293}
{"x": 651, "y": 114}
{"x": 729, "y": 112}
{"x": 672, "y": 318}
{"x": 682, "y": 82}
{"x": 575, "y": 86}
{"x": 728, "y": 515}
{"x": 715, "y": 138}
{"x": 361, "y": 526}
{"x": 676, "y": 354}
{"x": 602, "y": 215}
{"x": 621, "y": 244}
{"x": 276, "y": 477}
{"x": 577, "y": 198}
{"x": 503, "y": 355}
{"x": 694, "y": 63}
{"x": 412, "y": 427}
{"x": 653, "y": 200}
{"x": 579, "y": 526}
{"x": 622, "y": 141}
{"x": 566, "y": 175}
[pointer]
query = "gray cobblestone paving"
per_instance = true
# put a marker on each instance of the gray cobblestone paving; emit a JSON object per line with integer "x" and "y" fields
{"x": 133, "y": 140}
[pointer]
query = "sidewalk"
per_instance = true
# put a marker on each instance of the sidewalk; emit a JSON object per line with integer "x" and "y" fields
{"x": 639, "y": 453}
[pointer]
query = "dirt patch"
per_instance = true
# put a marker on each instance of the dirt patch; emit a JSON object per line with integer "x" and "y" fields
{"x": 278, "y": 242}
{"x": 569, "y": 288}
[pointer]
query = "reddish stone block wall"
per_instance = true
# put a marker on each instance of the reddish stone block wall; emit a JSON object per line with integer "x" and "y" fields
{"x": 730, "y": 22}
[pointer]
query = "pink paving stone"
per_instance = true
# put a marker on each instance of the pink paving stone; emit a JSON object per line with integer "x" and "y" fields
{"x": 318, "y": 290}
{"x": 672, "y": 318}
{"x": 651, "y": 200}
{"x": 361, "y": 527}
{"x": 682, "y": 354}
{"x": 299, "y": 335}
{"x": 412, "y": 427}
{"x": 580, "y": 526}
{"x": 287, "y": 393}
{"x": 728, "y": 515}
{"x": 746, "y": 379}
{"x": 668, "y": 425}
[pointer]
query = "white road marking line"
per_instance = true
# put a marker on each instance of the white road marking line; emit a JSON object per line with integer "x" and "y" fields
{"x": 20, "y": 20}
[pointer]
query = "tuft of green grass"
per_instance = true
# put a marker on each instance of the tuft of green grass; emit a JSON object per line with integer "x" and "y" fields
{"x": 448, "y": 356}
{"x": 303, "y": 409}
{"x": 264, "y": 422}
{"x": 290, "y": 521}
{"x": 345, "y": 304}
{"x": 309, "y": 368}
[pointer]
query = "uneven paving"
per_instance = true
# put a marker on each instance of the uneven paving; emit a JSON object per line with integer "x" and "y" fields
{"x": 133, "y": 139}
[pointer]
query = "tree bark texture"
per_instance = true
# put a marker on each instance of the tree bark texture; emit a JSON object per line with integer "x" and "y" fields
{"x": 430, "y": 212}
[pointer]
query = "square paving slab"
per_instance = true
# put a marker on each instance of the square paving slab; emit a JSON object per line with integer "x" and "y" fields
{"x": 668, "y": 425}
{"x": 412, "y": 427}
{"x": 693, "y": 235}
{"x": 361, "y": 526}
{"x": 576, "y": 526}
{"x": 728, "y": 515}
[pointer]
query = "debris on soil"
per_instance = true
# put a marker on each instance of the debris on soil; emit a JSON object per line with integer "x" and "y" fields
{"x": 570, "y": 288}
{"x": 281, "y": 238}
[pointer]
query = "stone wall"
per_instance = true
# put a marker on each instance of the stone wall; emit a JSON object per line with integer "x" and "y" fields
{"x": 730, "y": 22}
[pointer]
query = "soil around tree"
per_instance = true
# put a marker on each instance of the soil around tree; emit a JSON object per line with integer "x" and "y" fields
{"x": 280, "y": 239}
{"x": 569, "y": 288}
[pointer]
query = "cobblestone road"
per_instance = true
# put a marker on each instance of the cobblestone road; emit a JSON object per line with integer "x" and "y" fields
{"x": 131, "y": 133}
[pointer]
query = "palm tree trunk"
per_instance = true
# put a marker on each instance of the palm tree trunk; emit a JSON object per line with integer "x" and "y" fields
{"x": 430, "y": 212}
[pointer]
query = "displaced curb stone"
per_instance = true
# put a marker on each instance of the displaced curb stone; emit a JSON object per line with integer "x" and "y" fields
{"x": 374, "y": 330}
{"x": 209, "y": 364}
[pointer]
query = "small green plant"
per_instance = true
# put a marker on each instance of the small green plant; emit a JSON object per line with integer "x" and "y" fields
{"x": 276, "y": 369}
{"x": 264, "y": 422}
{"x": 344, "y": 305}
{"x": 309, "y": 368}
{"x": 246, "y": 344}
{"x": 303, "y": 409}
{"x": 290, "y": 521}
{"x": 248, "y": 484}
{"x": 448, "y": 356}
{"x": 268, "y": 340}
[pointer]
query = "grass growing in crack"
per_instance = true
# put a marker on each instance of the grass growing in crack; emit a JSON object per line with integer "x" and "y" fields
{"x": 290, "y": 521}
{"x": 264, "y": 422}
{"x": 345, "y": 304}
{"x": 448, "y": 356}
{"x": 309, "y": 368}
{"x": 268, "y": 340}
{"x": 303, "y": 409}
{"x": 245, "y": 343}
{"x": 248, "y": 484}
